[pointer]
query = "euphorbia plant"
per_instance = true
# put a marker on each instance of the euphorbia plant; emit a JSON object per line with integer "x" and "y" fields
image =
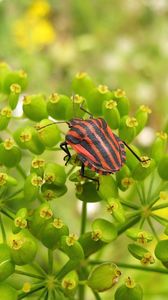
{"x": 30, "y": 182}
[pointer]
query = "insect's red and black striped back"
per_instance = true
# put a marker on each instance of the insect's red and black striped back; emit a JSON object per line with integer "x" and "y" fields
{"x": 97, "y": 146}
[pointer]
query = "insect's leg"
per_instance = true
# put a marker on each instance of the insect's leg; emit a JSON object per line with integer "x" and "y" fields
{"x": 141, "y": 160}
{"x": 82, "y": 173}
{"x": 64, "y": 147}
{"x": 86, "y": 111}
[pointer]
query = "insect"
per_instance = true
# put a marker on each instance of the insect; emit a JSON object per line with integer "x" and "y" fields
{"x": 97, "y": 147}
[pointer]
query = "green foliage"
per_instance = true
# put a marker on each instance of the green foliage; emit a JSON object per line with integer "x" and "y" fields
{"x": 32, "y": 180}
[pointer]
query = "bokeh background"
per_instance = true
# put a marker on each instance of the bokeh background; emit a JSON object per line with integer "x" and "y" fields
{"x": 123, "y": 44}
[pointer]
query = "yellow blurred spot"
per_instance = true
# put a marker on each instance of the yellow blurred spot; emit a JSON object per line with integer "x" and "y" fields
{"x": 145, "y": 108}
{"x": 163, "y": 195}
{"x": 39, "y": 8}
{"x": 162, "y": 135}
{"x": 26, "y": 287}
{"x": 33, "y": 29}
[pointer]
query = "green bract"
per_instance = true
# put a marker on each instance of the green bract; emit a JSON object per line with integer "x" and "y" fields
{"x": 142, "y": 117}
{"x": 96, "y": 98}
{"x": 70, "y": 283}
{"x": 90, "y": 243}
{"x": 159, "y": 146}
{"x": 20, "y": 221}
{"x": 161, "y": 251}
{"x": 15, "y": 90}
{"x": 32, "y": 185}
{"x": 15, "y": 77}
{"x": 52, "y": 191}
{"x": 23, "y": 247}
{"x": 28, "y": 138}
{"x": 72, "y": 247}
{"x": 123, "y": 104}
{"x": 108, "y": 187}
{"x": 141, "y": 254}
{"x": 54, "y": 173}
{"x": 115, "y": 208}
{"x": 53, "y": 232}
{"x": 127, "y": 129}
{"x": 103, "y": 230}
{"x": 129, "y": 293}
{"x": 10, "y": 154}
{"x": 141, "y": 236}
{"x": 103, "y": 277}
{"x": 82, "y": 84}
{"x": 41, "y": 216}
{"x": 7, "y": 266}
{"x": 111, "y": 113}
{"x": 49, "y": 135}
{"x": 35, "y": 107}
{"x": 4, "y": 71}
{"x": 58, "y": 106}
{"x": 5, "y": 116}
{"x": 124, "y": 178}
{"x": 163, "y": 167}
{"x": 7, "y": 292}
{"x": 142, "y": 170}
{"x": 87, "y": 192}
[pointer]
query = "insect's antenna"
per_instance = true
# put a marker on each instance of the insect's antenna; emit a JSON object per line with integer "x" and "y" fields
{"x": 54, "y": 123}
{"x": 141, "y": 160}
{"x": 73, "y": 102}
{"x": 86, "y": 111}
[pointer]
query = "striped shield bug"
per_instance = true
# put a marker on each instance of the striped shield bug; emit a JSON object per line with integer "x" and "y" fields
{"x": 97, "y": 147}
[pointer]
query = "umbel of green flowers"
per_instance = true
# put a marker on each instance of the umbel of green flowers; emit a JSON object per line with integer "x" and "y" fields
{"x": 32, "y": 180}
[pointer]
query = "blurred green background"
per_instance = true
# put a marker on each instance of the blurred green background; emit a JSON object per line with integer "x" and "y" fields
{"x": 120, "y": 43}
{"x": 123, "y": 44}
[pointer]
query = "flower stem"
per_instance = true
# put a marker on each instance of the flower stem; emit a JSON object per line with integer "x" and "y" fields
{"x": 160, "y": 219}
{"x": 83, "y": 217}
{"x": 70, "y": 171}
{"x": 152, "y": 228}
{"x": 21, "y": 171}
{"x": 25, "y": 295}
{"x": 2, "y": 229}
{"x": 160, "y": 206}
{"x": 128, "y": 224}
{"x": 50, "y": 261}
{"x": 131, "y": 266}
{"x": 8, "y": 213}
{"x": 138, "y": 267}
{"x": 139, "y": 194}
{"x": 129, "y": 204}
{"x": 29, "y": 274}
{"x": 97, "y": 297}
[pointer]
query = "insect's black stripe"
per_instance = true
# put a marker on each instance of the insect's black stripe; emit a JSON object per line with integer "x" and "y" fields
{"x": 106, "y": 142}
{"x": 91, "y": 150}
{"x": 70, "y": 138}
{"x": 78, "y": 131}
{"x": 83, "y": 143}
{"x": 113, "y": 140}
{"x": 91, "y": 166}
{"x": 90, "y": 135}
{"x": 102, "y": 123}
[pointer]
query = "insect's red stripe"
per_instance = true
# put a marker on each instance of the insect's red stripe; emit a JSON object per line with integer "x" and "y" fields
{"x": 111, "y": 153}
{"x": 111, "y": 139}
{"x": 88, "y": 132}
{"x": 116, "y": 148}
{"x": 84, "y": 143}
{"x": 92, "y": 149}
{"x": 90, "y": 165}
{"x": 82, "y": 150}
